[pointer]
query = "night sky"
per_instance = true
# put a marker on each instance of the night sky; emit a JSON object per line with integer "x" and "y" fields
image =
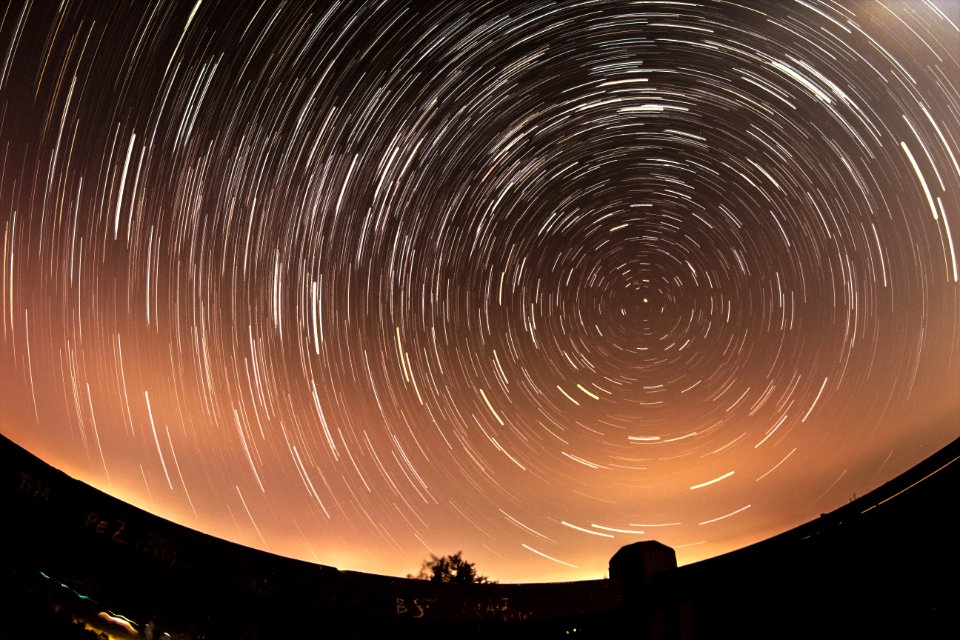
{"x": 365, "y": 281}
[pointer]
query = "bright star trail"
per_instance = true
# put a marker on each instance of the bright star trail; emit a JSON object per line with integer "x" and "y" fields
{"x": 365, "y": 281}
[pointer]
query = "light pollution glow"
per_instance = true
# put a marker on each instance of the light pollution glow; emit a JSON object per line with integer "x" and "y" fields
{"x": 359, "y": 283}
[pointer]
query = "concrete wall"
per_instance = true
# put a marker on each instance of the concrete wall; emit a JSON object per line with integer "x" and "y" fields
{"x": 873, "y": 568}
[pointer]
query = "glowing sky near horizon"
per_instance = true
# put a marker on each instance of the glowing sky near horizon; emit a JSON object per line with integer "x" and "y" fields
{"x": 359, "y": 282}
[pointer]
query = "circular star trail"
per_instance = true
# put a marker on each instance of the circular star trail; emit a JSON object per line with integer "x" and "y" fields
{"x": 358, "y": 282}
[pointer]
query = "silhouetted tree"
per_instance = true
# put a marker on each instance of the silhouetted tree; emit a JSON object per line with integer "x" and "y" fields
{"x": 452, "y": 568}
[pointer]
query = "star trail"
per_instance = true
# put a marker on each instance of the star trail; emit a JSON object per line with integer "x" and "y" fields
{"x": 359, "y": 282}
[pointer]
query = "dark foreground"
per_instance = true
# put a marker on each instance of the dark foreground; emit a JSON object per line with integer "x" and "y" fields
{"x": 78, "y": 563}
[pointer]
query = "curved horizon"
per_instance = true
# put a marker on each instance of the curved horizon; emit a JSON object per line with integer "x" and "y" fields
{"x": 360, "y": 284}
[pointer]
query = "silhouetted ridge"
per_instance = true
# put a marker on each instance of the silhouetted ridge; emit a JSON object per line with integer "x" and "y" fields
{"x": 871, "y": 567}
